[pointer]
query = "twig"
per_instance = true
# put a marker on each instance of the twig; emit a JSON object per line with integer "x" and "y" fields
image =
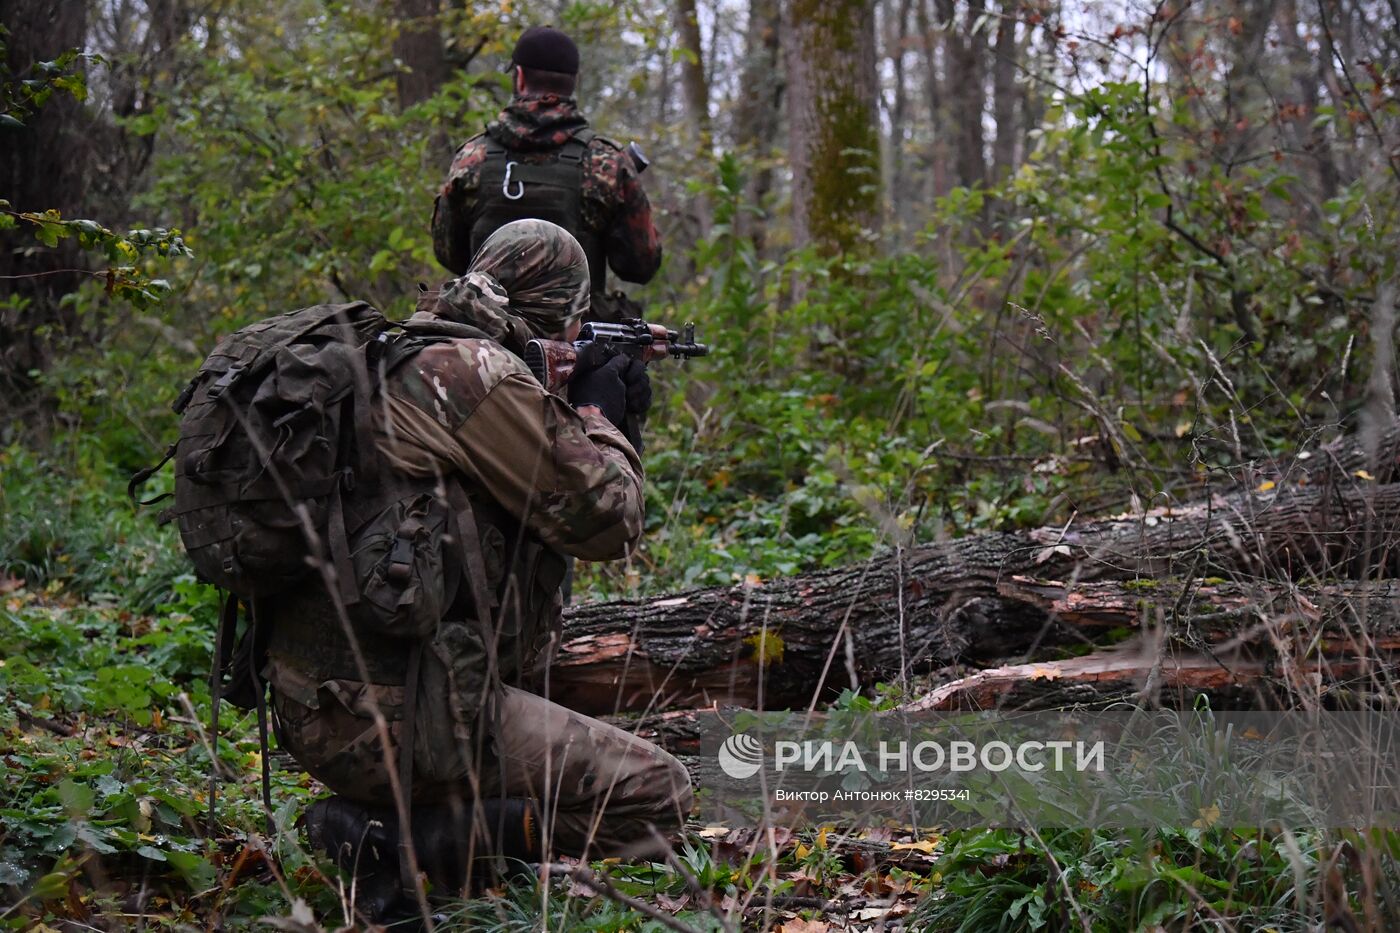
{"x": 49, "y": 725}
{"x": 34, "y": 275}
{"x": 601, "y": 885}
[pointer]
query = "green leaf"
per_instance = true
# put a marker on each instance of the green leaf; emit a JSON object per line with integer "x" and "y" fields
{"x": 152, "y": 853}
{"x": 73, "y": 84}
{"x": 77, "y": 798}
{"x": 194, "y": 869}
{"x": 51, "y": 886}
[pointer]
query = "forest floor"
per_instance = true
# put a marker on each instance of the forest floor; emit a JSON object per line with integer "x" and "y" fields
{"x": 105, "y": 800}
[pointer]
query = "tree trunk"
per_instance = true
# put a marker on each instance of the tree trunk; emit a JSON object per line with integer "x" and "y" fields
{"x": 420, "y": 51}
{"x": 896, "y": 40}
{"x": 696, "y": 90}
{"x": 938, "y": 154}
{"x": 756, "y": 117}
{"x": 830, "y": 57}
{"x": 1171, "y": 680}
{"x": 778, "y": 643}
{"x": 45, "y": 165}
{"x": 1167, "y": 679}
{"x": 1004, "y": 92}
{"x": 693, "y": 81}
{"x": 1309, "y": 138}
{"x": 966, "y": 81}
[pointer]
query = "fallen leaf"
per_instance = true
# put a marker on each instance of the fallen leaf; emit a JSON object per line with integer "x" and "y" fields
{"x": 1267, "y": 485}
{"x": 924, "y": 845}
{"x": 869, "y": 913}
{"x": 1049, "y": 552}
{"x": 804, "y": 926}
{"x": 672, "y": 904}
{"x": 1362, "y": 474}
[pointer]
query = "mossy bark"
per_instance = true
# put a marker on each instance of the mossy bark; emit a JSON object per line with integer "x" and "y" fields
{"x": 835, "y": 142}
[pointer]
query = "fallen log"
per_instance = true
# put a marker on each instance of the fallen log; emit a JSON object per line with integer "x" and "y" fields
{"x": 782, "y": 643}
{"x": 1147, "y": 678}
{"x": 1354, "y": 617}
{"x": 1139, "y": 674}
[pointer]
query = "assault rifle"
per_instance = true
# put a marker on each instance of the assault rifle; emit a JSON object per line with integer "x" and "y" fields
{"x": 554, "y": 362}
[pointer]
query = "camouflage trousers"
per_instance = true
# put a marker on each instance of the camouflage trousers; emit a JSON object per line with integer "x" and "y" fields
{"x": 601, "y": 791}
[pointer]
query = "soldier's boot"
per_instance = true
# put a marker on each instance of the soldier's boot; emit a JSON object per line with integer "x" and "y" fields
{"x": 467, "y": 844}
{"x": 364, "y": 842}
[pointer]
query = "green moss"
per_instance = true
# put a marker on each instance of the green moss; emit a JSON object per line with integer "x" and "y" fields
{"x": 767, "y": 648}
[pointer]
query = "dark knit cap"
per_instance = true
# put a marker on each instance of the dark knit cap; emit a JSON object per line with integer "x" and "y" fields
{"x": 546, "y": 49}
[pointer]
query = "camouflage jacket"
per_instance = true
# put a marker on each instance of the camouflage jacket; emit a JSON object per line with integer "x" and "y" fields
{"x": 615, "y": 207}
{"x": 471, "y": 407}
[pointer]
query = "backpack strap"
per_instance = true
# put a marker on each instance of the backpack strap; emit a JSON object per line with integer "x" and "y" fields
{"x": 468, "y": 548}
{"x": 408, "y": 881}
{"x": 138, "y": 479}
{"x": 255, "y": 682}
{"x": 224, "y": 635}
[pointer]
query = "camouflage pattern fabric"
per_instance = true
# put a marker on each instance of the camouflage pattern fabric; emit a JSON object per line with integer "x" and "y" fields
{"x": 471, "y": 407}
{"x": 600, "y": 789}
{"x": 541, "y": 270}
{"x": 545, "y": 482}
{"x": 615, "y": 207}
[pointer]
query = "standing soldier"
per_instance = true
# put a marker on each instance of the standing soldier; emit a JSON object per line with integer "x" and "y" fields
{"x": 540, "y": 159}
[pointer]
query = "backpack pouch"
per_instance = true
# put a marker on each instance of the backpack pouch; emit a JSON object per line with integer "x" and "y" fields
{"x": 398, "y": 565}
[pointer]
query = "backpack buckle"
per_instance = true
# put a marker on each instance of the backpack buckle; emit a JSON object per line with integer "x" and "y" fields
{"x": 223, "y": 383}
{"x": 186, "y": 394}
{"x": 400, "y": 570}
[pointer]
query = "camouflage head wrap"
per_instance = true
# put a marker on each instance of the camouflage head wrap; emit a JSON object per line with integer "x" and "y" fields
{"x": 540, "y": 271}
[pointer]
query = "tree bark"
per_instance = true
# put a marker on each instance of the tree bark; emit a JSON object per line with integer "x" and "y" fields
{"x": 693, "y": 81}
{"x": 420, "y": 51}
{"x": 966, "y": 80}
{"x": 1169, "y": 680}
{"x": 1309, "y": 138}
{"x": 757, "y": 113}
{"x": 696, "y": 91}
{"x": 1004, "y": 92}
{"x": 45, "y": 165}
{"x": 830, "y": 57}
{"x": 938, "y": 154}
{"x": 781, "y": 643}
{"x": 896, "y": 41}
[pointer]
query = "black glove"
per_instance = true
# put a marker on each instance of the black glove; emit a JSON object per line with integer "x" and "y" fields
{"x": 603, "y": 387}
{"x": 638, "y": 384}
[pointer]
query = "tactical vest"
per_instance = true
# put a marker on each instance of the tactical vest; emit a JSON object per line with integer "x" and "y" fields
{"x": 511, "y": 189}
